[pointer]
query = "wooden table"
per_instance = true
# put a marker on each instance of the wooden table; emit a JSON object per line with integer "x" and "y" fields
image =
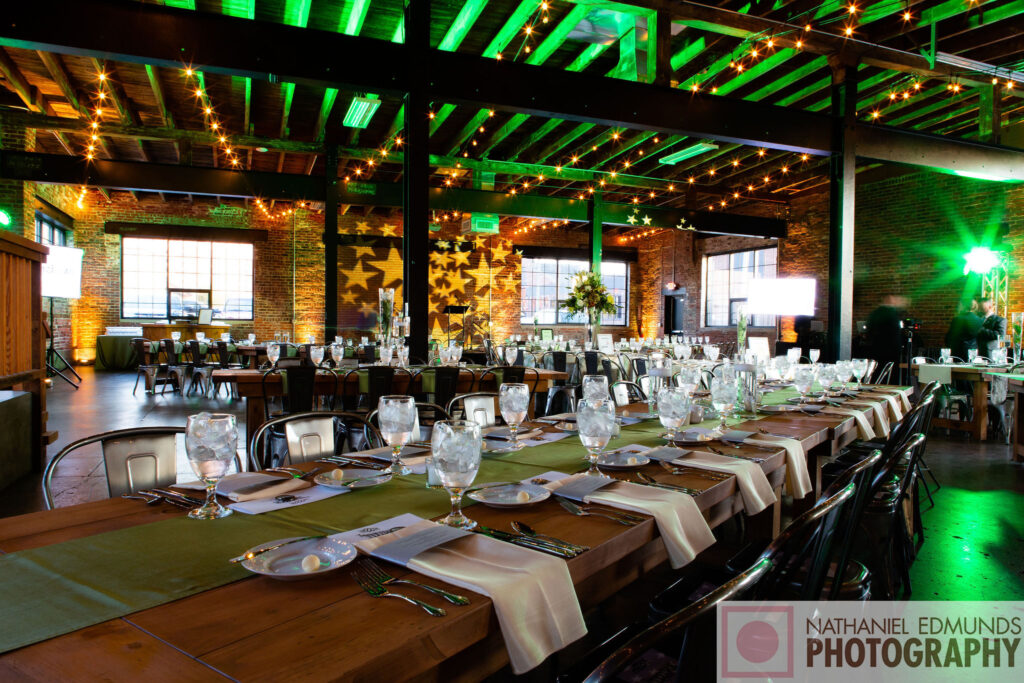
{"x": 250, "y": 387}
{"x": 1015, "y": 384}
{"x": 261, "y": 629}
{"x": 979, "y": 376}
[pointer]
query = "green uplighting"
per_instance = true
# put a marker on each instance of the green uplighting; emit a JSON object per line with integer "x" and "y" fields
{"x": 5, "y": 218}
{"x": 980, "y": 260}
{"x": 360, "y": 111}
{"x": 688, "y": 153}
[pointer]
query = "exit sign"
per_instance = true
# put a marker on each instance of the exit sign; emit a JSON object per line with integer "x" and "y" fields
{"x": 481, "y": 222}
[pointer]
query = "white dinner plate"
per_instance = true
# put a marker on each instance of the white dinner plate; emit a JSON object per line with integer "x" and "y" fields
{"x": 776, "y": 409}
{"x": 507, "y": 495}
{"x": 693, "y": 437}
{"x": 368, "y": 478}
{"x": 285, "y": 563}
{"x": 620, "y": 461}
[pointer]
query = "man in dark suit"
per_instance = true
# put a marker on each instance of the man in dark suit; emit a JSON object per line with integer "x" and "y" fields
{"x": 963, "y": 330}
{"x": 992, "y": 328}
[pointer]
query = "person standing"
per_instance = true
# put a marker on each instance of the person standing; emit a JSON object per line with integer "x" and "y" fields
{"x": 963, "y": 330}
{"x": 885, "y": 330}
{"x": 992, "y": 328}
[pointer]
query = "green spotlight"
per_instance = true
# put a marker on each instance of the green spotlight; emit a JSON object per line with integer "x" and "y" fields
{"x": 980, "y": 260}
{"x": 5, "y": 218}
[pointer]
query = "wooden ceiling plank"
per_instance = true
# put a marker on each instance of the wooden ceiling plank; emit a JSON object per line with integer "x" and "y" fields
{"x": 55, "y": 66}
{"x": 17, "y": 82}
{"x": 158, "y": 95}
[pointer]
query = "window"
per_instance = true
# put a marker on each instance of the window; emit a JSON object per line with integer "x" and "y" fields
{"x": 546, "y": 284}
{"x": 726, "y": 279}
{"x": 176, "y": 278}
{"x": 49, "y": 231}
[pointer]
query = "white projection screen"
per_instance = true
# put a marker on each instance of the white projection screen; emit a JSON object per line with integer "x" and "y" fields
{"x": 781, "y": 296}
{"x": 62, "y": 273}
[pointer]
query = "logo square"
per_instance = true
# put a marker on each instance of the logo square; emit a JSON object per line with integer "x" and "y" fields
{"x": 755, "y": 641}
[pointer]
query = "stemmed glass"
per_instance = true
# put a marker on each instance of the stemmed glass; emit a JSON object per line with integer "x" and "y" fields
{"x": 386, "y": 351}
{"x": 595, "y": 387}
{"x": 403, "y": 356}
{"x": 455, "y": 450}
{"x": 794, "y": 354}
{"x": 176, "y": 336}
{"x": 511, "y": 354}
{"x": 513, "y": 401}
{"x": 456, "y": 352}
{"x": 860, "y": 368}
{"x": 673, "y": 409}
{"x": 945, "y": 355}
{"x": 200, "y": 337}
{"x": 826, "y": 376}
{"x": 337, "y": 353}
{"x": 316, "y": 354}
{"x": 971, "y": 355}
{"x": 844, "y": 371}
{"x": 687, "y": 379}
{"x": 782, "y": 365}
{"x": 814, "y": 355}
{"x": 211, "y": 441}
{"x": 397, "y": 416}
{"x": 273, "y": 354}
{"x": 711, "y": 352}
{"x": 252, "y": 339}
{"x": 596, "y": 422}
{"x": 687, "y": 351}
{"x": 723, "y": 398}
{"x": 803, "y": 380}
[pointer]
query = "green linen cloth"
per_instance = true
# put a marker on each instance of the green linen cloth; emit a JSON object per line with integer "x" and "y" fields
{"x": 114, "y": 352}
{"x": 67, "y": 586}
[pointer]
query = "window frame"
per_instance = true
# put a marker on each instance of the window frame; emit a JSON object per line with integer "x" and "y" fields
{"x": 168, "y": 289}
{"x": 44, "y": 222}
{"x": 559, "y": 313}
{"x": 731, "y": 301}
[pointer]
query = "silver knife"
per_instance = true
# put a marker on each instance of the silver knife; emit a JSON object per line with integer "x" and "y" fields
{"x": 253, "y": 553}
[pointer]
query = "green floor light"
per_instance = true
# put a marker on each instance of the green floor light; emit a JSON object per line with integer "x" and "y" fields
{"x": 5, "y": 218}
{"x": 980, "y": 260}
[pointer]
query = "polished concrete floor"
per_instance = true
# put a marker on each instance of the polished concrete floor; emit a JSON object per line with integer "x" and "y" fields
{"x": 974, "y": 547}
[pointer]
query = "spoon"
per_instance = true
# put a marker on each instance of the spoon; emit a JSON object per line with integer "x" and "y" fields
{"x": 527, "y": 530}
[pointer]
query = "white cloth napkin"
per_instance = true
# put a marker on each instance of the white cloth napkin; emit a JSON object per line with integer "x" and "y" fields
{"x": 680, "y": 523}
{"x": 881, "y": 418}
{"x": 893, "y": 403}
{"x": 798, "y": 478}
{"x": 930, "y": 372}
{"x": 533, "y": 594}
{"x": 416, "y": 461}
{"x": 229, "y": 485}
{"x": 757, "y": 493}
{"x": 864, "y": 430}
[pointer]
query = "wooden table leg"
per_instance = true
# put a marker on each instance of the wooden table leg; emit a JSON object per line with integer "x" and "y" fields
{"x": 253, "y": 417}
{"x": 768, "y": 522}
{"x": 979, "y": 428}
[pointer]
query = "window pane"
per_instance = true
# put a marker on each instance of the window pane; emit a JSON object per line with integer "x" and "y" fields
{"x": 728, "y": 278}
{"x": 232, "y": 280}
{"x": 538, "y": 291}
{"x": 144, "y": 278}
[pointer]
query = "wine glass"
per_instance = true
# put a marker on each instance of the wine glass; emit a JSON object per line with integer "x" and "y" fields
{"x": 688, "y": 378}
{"x": 456, "y": 352}
{"x": 814, "y": 355}
{"x": 511, "y": 354}
{"x": 687, "y": 351}
{"x": 803, "y": 380}
{"x": 316, "y": 355}
{"x": 211, "y": 442}
{"x": 945, "y": 355}
{"x": 794, "y": 354}
{"x": 711, "y": 352}
{"x": 337, "y": 353}
{"x": 403, "y": 356}
{"x": 397, "y": 417}
{"x": 176, "y": 336}
{"x": 673, "y": 409}
{"x": 252, "y": 339}
{"x": 273, "y": 353}
{"x": 860, "y": 368}
{"x": 455, "y": 452}
{"x": 595, "y": 420}
{"x": 971, "y": 355}
{"x": 386, "y": 352}
{"x": 513, "y": 401}
{"x": 200, "y": 337}
{"x": 844, "y": 371}
{"x": 723, "y": 398}
{"x": 595, "y": 387}
{"x": 826, "y": 376}
{"x": 783, "y": 365}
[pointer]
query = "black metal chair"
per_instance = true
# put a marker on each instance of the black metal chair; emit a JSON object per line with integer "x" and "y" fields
{"x": 624, "y": 393}
{"x": 380, "y": 380}
{"x": 175, "y": 371}
{"x": 308, "y": 436}
{"x": 151, "y": 371}
{"x": 561, "y": 399}
{"x": 510, "y": 374}
{"x": 197, "y": 368}
{"x": 224, "y": 362}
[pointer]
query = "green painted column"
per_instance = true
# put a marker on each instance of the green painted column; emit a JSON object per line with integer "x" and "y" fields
{"x": 595, "y": 214}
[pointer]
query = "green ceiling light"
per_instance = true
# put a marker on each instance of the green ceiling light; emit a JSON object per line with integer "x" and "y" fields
{"x": 5, "y": 218}
{"x": 687, "y": 153}
{"x": 981, "y": 260}
{"x": 984, "y": 176}
{"x": 360, "y": 111}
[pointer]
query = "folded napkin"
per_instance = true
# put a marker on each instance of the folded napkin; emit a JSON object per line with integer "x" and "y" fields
{"x": 415, "y": 457}
{"x": 533, "y": 594}
{"x": 864, "y": 430}
{"x": 893, "y": 403}
{"x": 299, "y": 497}
{"x": 881, "y": 418}
{"x": 229, "y": 485}
{"x": 286, "y": 486}
{"x": 798, "y": 479}
{"x": 680, "y": 523}
{"x": 754, "y": 487}
{"x": 504, "y": 434}
{"x": 930, "y": 372}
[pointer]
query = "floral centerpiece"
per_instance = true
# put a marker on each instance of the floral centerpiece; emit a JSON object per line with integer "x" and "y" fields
{"x": 589, "y": 295}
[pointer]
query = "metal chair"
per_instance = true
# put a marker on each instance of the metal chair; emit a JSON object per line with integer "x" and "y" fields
{"x": 478, "y": 406}
{"x": 134, "y": 459}
{"x": 151, "y": 371}
{"x": 561, "y": 400}
{"x": 426, "y": 415}
{"x": 624, "y": 393}
{"x": 885, "y": 374}
{"x": 224, "y": 363}
{"x": 510, "y": 374}
{"x": 310, "y": 435}
{"x": 175, "y": 371}
{"x": 197, "y": 368}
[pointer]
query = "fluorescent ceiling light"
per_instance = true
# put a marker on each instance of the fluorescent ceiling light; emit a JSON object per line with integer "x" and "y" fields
{"x": 360, "y": 111}
{"x": 688, "y": 153}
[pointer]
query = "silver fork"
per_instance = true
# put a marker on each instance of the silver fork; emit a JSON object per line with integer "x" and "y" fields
{"x": 377, "y": 573}
{"x": 738, "y": 457}
{"x": 695, "y": 471}
{"x": 376, "y": 590}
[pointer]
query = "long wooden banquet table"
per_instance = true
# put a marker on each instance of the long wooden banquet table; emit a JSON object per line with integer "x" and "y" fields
{"x": 244, "y": 627}
{"x": 251, "y": 387}
{"x": 980, "y": 376}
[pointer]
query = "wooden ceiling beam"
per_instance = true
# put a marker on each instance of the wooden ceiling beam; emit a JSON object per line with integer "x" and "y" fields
{"x": 116, "y": 90}
{"x": 54, "y": 65}
{"x": 158, "y": 95}
{"x": 17, "y": 82}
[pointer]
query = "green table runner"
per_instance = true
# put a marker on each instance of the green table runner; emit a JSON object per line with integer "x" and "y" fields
{"x": 114, "y": 352}
{"x": 67, "y": 586}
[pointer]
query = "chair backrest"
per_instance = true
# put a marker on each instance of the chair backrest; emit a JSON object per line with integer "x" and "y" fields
{"x": 379, "y": 381}
{"x": 446, "y": 383}
{"x": 612, "y": 370}
{"x": 555, "y": 360}
{"x": 311, "y": 435}
{"x": 223, "y": 355}
{"x": 624, "y": 393}
{"x": 134, "y": 459}
{"x": 140, "y": 346}
{"x": 590, "y": 362}
{"x": 639, "y": 364}
{"x": 885, "y": 374}
{"x": 561, "y": 400}
{"x": 170, "y": 355}
{"x": 195, "y": 354}
{"x": 478, "y": 406}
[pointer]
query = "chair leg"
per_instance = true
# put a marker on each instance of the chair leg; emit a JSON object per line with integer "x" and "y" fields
{"x": 135, "y": 388}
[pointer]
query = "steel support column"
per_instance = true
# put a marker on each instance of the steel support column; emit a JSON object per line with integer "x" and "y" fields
{"x": 415, "y": 185}
{"x": 595, "y": 215}
{"x": 842, "y": 196}
{"x": 330, "y": 241}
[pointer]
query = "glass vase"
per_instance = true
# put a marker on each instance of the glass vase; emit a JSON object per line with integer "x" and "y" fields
{"x": 386, "y": 308}
{"x": 593, "y": 328}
